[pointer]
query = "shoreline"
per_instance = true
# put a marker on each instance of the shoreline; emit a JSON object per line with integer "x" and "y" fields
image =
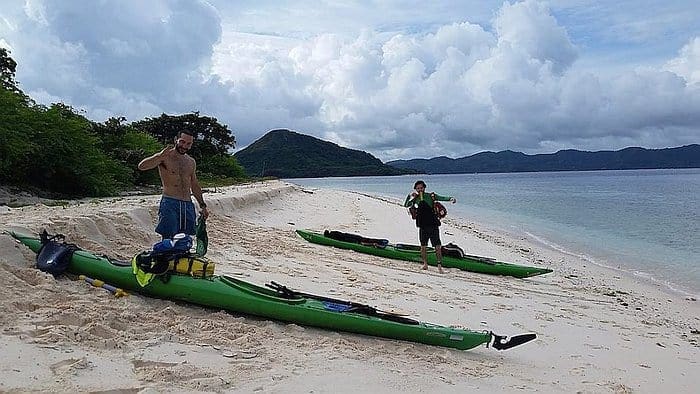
{"x": 649, "y": 279}
{"x": 667, "y": 285}
{"x": 646, "y": 278}
{"x": 596, "y": 331}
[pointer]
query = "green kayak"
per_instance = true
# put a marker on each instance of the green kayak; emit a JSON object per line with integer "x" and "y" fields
{"x": 478, "y": 264}
{"x": 281, "y": 303}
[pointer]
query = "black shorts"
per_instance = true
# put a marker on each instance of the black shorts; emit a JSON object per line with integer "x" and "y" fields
{"x": 431, "y": 233}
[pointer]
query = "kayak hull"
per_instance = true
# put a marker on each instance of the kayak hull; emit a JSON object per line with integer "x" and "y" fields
{"x": 472, "y": 263}
{"x": 231, "y": 294}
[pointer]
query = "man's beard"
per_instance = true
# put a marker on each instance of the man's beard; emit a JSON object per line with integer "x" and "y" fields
{"x": 181, "y": 150}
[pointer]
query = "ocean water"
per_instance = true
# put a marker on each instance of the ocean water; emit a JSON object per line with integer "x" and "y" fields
{"x": 645, "y": 222}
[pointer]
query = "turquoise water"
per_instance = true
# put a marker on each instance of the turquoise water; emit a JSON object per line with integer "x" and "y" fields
{"x": 646, "y": 222}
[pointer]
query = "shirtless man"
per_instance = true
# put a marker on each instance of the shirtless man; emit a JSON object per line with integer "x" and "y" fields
{"x": 178, "y": 174}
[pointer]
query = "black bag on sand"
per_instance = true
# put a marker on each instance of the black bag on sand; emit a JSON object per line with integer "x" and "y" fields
{"x": 452, "y": 250}
{"x": 354, "y": 238}
{"x": 54, "y": 257}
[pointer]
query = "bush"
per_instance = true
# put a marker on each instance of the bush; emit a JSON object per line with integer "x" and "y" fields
{"x": 15, "y": 137}
{"x": 220, "y": 165}
{"x": 128, "y": 146}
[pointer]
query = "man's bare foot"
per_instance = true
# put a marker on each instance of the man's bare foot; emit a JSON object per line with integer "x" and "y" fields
{"x": 425, "y": 266}
{"x": 440, "y": 269}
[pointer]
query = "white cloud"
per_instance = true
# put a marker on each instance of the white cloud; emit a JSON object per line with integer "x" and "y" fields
{"x": 529, "y": 27}
{"x": 687, "y": 64}
{"x": 446, "y": 87}
{"x": 35, "y": 11}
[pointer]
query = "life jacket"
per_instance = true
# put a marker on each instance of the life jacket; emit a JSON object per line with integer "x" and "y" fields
{"x": 182, "y": 263}
{"x": 425, "y": 216}
{"x": 171, "y": 256}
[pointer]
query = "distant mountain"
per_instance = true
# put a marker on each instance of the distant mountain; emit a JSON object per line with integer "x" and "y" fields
{"x": 286, "y": 154}
{"x": 565, "y": 160}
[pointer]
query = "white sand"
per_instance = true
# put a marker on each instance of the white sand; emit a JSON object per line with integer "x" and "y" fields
{"x": 598, "y": 330}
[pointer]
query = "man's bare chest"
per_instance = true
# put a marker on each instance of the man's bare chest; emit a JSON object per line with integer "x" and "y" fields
{"x": 181, "y": 167}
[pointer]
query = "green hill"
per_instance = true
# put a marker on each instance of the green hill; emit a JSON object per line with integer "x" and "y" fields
{"x": 565, "y": 160}
{"x": 286, "y": 154}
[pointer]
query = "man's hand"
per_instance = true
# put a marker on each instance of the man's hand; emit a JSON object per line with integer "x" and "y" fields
{"x": 205, "y": 213}
{"x": 414, "y": 194}
{"x": 156, "y": 159}
{"x": 167, "y": 151}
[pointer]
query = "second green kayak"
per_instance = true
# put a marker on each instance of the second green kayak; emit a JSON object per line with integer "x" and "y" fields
{"x": 478, "y": 264}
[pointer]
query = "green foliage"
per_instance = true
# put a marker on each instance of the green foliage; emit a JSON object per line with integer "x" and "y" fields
{"x": 15, "y": 128}
{"x": 213, "y": 142}
{"x": 8, "y": 67}
{"x": 66, "y": 157}
{"x": 221, "y": 166}
{"x": 211, "y": 136}
{"x": 128, "y": 146}
{"x": 59, "y": 152}
{"x": 52, "y": 149}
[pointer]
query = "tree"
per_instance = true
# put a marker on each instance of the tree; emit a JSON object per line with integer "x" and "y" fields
{"x": 212, "y": 137}
{"x": 66, "y": 158}
{"x": 57, "y": 152}
{"x": 128, "y": 146}
{"x": 213, "y": 142}
{"x": 17, "y": 125}
{"x": 8, "y": 67}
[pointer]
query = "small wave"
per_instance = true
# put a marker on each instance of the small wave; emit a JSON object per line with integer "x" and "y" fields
{"x": 636, "y": 273}
{"x": 562, "y": 250}
{"x": 665, "y": 283}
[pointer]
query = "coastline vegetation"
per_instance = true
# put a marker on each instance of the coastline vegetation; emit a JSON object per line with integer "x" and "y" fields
{"x": 54, "y": 151}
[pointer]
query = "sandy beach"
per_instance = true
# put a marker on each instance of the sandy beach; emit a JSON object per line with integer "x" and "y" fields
{"x": 598, "y": 329}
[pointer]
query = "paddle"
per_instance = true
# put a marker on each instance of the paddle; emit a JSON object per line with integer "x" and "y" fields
{"x": 502, "y": 342}
{"x": 354, "y": 307}
{"x": 117, "y": 292}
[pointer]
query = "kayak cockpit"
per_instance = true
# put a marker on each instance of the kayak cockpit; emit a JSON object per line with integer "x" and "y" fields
{"x": 258, "y": 291}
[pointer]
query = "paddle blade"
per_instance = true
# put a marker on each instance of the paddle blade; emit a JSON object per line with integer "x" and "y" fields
{"x": 502, "y": 342}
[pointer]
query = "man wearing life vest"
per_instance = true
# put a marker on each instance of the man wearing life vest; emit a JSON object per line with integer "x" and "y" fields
{"x": 427, "y": 222}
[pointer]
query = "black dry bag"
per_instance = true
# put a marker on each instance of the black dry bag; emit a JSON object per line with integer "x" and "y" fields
{"x": 54, "y": 257}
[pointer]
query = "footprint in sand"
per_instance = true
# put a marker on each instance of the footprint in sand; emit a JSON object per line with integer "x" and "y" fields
{"x": 64, "y": 366}
{"x": 579, "y": 371}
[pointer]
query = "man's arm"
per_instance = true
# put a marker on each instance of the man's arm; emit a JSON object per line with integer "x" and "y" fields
{"x": 410, "y": 199}
{"x": 153, "y": 161}
{"x": 442, "y": 198}
{"x": 197, "y": 192}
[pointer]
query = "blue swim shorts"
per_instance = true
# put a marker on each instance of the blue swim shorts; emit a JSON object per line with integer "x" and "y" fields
{"x": 175, "y": 216}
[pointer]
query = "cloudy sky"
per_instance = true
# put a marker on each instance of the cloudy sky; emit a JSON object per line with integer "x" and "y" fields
{"x": 399, "y": 79}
